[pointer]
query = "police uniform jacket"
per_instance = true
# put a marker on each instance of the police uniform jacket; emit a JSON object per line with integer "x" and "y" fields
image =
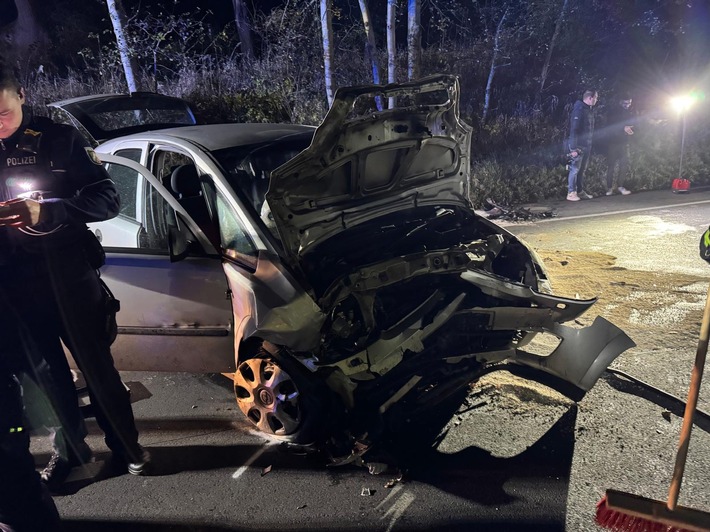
{"x": 54, "y": 164}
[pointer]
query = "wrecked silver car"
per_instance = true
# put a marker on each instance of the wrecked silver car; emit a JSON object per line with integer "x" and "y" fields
{"x": 362, "y": 282}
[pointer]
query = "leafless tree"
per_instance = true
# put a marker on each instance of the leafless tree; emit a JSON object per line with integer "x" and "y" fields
{"x": 21, "y": 35}
{"x": 551, "y": 48}
{"x": 391, "y": 46}
{"x": 130, "y": 65}
{"x": 414, "y": 38}
{"x": 371, "y": 47}
{"x": 494, "y": 64}
{"x": 242, "y": 20}
{"x": 326, "y": 22}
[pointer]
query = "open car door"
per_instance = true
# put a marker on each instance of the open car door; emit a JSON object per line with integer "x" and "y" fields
{"x": 176, "y": 313}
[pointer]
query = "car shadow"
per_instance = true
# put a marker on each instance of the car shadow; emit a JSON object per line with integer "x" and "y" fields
{"x": 672, "y": 404}
{"x": 528, "y": 491}
{"x": 499, "y": 486}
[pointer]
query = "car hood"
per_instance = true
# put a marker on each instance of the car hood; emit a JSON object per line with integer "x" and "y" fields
{"x": 363, "y": 165}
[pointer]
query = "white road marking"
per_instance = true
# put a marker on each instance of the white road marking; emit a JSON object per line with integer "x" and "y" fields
{"x": 394, "y": 490}
{"x": 610, "y": 213}
{"x": 239, "y": 472}
{"x": 398, "y": 508}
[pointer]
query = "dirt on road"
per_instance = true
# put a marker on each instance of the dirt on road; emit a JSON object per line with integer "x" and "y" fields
{"x": 623, "y": 438}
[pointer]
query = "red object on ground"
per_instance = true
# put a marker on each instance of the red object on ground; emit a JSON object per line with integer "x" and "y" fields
{"x": 680, "y": 185}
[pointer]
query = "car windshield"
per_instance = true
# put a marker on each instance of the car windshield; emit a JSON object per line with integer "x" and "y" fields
{"x": 248, "y": 168}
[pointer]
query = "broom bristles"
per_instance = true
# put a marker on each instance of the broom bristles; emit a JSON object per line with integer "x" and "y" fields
{"x": 619, "y": 521}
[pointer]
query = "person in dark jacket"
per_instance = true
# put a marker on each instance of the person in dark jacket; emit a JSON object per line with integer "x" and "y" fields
{"x": 579, "y": 144}
{"x": 25, "y": 504}
{"x": 621, "y": 126}
{"x": 51, "y": 184}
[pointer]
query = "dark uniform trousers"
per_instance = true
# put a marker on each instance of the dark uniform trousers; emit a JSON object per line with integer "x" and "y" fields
{"x": 58, "y": 294}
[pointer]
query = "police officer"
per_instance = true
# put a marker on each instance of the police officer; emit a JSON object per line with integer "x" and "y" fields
{"x": 51, "y": 184}
{"x": 25, "y": 505}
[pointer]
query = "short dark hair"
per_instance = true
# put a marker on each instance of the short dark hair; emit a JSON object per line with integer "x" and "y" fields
{"x": 8, "y": 78}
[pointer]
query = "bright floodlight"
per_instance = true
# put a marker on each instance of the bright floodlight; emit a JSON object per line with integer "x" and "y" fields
{"x": 682, "y": 103}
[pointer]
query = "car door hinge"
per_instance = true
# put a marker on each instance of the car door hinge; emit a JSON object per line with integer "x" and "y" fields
{"x": 228, "y": 294}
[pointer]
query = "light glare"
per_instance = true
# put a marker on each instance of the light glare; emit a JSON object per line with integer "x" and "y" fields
{"x": 682, "y": 103}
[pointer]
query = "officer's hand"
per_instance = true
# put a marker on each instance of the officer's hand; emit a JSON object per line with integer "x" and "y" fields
{"x": 20, "y": 212}
{"x": 705, "y": 245}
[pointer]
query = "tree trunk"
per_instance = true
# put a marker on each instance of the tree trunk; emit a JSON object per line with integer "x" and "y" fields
{"x": 8, "y": 12}
{"x": 391, "y": 46}
{"x": 130, "y": 65}
{"x": 327, "y": 32}
{"x": 21, "y": 34}
{"x": 414, "y": 38}
{"x": 371, "y": 48}
{"x": 550, "y": 49}
{"x": 494, "y": 66}
{"x": 241, "y": 19}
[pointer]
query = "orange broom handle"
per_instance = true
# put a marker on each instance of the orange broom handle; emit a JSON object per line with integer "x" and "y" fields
{"x": 690, "y": 407}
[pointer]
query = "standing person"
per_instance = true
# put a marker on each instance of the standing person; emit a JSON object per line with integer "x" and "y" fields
{"x": 579, "y": 144}
{"x": 52, "y": 184}
{"x": 619, "y": 131}
{"x": 25, "y": 504}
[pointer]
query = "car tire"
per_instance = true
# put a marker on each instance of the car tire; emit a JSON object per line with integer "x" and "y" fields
{"x": 281, "y": 398}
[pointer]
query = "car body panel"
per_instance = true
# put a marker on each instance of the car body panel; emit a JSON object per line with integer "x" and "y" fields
{"x": 270, "y": 304}
{"x": 358, "y": 169}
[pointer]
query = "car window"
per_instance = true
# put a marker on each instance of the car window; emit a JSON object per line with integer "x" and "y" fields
{"x": 165, "y": 162}
{"x": 134, "y": 154}
{"x": 248, "y": 168}
{"x": 156, "y": 223}
{"x": 142, "y": 205}
{"x": 127, "y": 183}
{"x": 234, "y": 239}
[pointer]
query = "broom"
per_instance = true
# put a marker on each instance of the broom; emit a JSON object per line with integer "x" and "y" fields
{"x": 630, "y": 513}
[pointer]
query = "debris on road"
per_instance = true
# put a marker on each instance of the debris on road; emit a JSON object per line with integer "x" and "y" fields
{"x": 393, "y": 482}
{"x": 377, "y": 468}
{"x": 367, "y": 492}
{"x": 266, "y": 471}
{"x": 496, "y": 211}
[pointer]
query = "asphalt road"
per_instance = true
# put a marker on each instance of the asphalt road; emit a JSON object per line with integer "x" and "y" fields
{"x": 493, "y": 469}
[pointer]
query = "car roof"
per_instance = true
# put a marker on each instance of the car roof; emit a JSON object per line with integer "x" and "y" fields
{"x": 213, "y": 137}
